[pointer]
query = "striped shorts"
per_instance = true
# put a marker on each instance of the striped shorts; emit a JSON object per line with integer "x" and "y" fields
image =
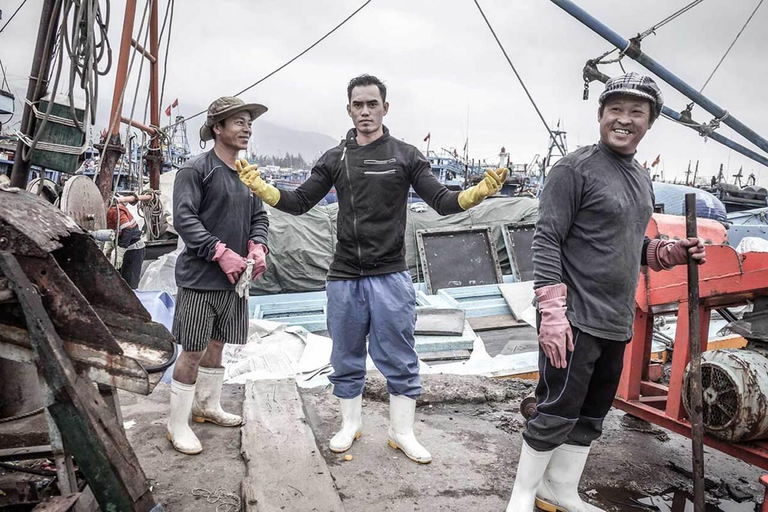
{"x": 203, "y": 315}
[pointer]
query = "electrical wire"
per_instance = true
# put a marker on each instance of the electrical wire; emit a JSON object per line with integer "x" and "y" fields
{"x": 12, "y": 16}
{"x": 519, "y": 78}
{"x": 334, "y": 29}
{"x": 729, "y": 48}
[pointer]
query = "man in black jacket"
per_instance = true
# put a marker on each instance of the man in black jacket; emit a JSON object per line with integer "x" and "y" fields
{"x": 369, "y": 289}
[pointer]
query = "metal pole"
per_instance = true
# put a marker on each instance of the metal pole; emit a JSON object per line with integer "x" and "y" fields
{"x": 154, "y": 155}
{"x": 37, "y": 86}
{"x": 660, "y": 71}
{"x": 725, "y": 141}
{"x": 694, "y": 377}
{"x": 112, "y": 149}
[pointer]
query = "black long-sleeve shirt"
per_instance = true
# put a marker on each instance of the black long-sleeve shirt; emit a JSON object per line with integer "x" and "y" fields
{"x": 590, "y": 235}
{"x": 211, "y": 205}
{"x": 372, "y": 184}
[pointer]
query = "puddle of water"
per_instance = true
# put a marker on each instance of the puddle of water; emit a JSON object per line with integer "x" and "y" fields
{"x": 673, "y": 500}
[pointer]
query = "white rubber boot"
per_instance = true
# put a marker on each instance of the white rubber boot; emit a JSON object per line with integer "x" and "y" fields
{"x": 207, "y": 405}
{"x": 530, "y": 470}
{"x": 351, "y": 424}
{"x": 402, "y": 413}
{"x": 178, "y": 431}
{"x": 559, "y": 489}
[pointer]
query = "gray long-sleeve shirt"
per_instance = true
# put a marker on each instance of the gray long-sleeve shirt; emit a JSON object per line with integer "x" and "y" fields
{"x": 211, "y": 205}
{"x": 593, "y": 213}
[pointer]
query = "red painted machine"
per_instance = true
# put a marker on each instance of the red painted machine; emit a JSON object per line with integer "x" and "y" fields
{"x": 728, "y": 279}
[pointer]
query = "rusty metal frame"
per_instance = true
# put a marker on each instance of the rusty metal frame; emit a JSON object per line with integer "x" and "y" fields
{"x": 420, "y": 234}
{"x": 507, "y": 233}
{"x": 112, "y": 145}
{"x": 727, "y": 279}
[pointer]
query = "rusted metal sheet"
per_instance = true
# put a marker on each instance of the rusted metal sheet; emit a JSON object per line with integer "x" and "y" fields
{"x": 81, "y": 200}
{"x": 105, "y": 328}
{"x": 29, "y": 226}
{"x": 87, "y": 427}
{"x": 122, "y": 371}
{"x": 70, "y": 313}
{"x": 98, "y": 281}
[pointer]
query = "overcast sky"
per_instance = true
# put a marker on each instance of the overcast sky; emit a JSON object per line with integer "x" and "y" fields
{"x": 445, "y": 74}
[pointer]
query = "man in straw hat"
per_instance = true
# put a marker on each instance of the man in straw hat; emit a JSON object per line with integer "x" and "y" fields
{"x": 370, "y": 292}
{"x": 222, "y": 225}
{"x": 587, "y": 251}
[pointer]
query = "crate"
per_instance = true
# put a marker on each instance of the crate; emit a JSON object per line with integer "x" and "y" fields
{"x": 56, "y": 132}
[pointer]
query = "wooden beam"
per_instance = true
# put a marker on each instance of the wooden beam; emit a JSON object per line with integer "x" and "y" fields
{"x": 276, "y": 435}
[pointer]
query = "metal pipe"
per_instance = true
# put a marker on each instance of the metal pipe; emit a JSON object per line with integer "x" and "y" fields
{"x": 112, "y": 146}
{"x": 154, "y": 155}
{"x": 121, "y": 74}
{"x": 146, "y": 129}
{"x": 37, "y": 86}
{"x": 142, "y": 51}
{"x": 635, "y": 53}
{"x": 694, "y": 340}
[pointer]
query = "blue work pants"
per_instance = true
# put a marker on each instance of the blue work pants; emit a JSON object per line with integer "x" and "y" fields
{"x": 383, "y": 309}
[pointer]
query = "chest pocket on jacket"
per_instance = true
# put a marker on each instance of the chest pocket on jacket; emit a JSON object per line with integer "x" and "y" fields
{"x": 380, "y": 173}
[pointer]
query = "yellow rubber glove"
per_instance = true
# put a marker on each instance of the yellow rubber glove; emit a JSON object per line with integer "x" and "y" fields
{"x": 250, "y": 175}
{"x": 490, "y": 185}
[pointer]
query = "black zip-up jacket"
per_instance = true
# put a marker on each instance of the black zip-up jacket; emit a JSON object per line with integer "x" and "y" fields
{"x": 372, "y": 184}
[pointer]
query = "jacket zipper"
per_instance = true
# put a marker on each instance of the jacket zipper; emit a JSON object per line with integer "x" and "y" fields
{"x": 354, "y": 215}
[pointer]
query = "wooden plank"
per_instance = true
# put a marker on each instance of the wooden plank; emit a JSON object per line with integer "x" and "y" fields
{"x": 484, "y": 323}
{"x": 26, "y": 453}
{"x": 284, "y": 465}
{"x": 446, "y": 355}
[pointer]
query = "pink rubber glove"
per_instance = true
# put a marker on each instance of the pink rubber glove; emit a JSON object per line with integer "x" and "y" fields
{"x": 230, "y": 262}
{"x": 555, "y": 335}
{"x": 257, "y": 253}
{"x": 665, "y": 254}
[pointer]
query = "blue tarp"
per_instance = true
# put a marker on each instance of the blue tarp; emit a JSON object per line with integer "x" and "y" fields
{"x": 673, "y": 199}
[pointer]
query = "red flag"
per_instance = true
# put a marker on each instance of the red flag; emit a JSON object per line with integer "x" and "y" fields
{"x": 656, "y": 162}
{"x": 172, "y": 105}
{"x": 429, "y": 135}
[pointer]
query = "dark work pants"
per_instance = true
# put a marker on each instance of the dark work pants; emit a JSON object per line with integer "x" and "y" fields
{"x": 131, "y": 269}
{"x": 572, "y": 402}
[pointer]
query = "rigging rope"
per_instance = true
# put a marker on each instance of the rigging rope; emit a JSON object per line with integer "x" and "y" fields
{"x": 552, "y": 136}
{"x": 288, "y": 62}
{"x": 729, "y": 48}
{"x": 666, "y": 20}
{"x": 643, "y": 35}
{"x": 13, "y": 15}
